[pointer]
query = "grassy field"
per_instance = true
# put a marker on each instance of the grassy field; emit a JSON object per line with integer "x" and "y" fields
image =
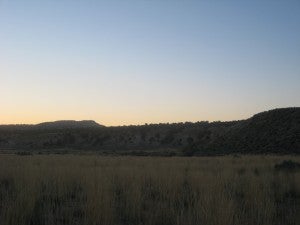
{"x": 70, "y": 189}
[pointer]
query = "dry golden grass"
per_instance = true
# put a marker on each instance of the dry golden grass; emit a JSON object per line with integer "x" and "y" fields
{"x": 69, "y": 189}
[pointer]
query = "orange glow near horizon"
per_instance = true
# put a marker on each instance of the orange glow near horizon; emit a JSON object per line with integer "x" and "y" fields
{"x": 115, "y": 119}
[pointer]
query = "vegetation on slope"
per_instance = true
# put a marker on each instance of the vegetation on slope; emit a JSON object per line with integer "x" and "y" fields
{"x": 275, "y": 131}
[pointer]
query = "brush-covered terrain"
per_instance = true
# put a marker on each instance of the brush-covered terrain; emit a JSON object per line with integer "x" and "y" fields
{"x": 275, "y": 131}
{"x": 89, "y": 188}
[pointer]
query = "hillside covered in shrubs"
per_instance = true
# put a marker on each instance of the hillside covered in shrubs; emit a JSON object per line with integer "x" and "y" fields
{"x": 275, "y": 131}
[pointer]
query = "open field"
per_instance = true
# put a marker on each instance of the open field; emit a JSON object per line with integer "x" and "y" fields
{"x": 70, "y": 189}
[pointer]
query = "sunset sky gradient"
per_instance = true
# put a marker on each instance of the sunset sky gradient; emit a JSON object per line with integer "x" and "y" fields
{"x": 148, "y": 61}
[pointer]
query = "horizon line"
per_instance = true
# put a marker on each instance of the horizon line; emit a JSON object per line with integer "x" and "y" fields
{"x": 143, "y": 124}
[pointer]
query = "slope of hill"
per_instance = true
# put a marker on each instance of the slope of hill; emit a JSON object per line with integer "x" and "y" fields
{"x": 275, "y": 131}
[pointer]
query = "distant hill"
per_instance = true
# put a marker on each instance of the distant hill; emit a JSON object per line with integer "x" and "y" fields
{"x": 274, "y": 131}
{"x": 68, "y": 124}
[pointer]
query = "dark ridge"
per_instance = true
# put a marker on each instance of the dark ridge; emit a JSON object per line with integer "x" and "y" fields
{"x": 274, "y": 131}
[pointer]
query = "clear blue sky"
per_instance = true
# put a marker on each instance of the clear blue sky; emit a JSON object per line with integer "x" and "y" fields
{"x": 147, "y": 61}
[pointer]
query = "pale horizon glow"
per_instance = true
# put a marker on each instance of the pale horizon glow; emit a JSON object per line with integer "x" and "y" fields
{"x": 136, "y": 62}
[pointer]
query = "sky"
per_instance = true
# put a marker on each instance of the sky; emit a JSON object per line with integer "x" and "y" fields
{"x": 122, "y": 62}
